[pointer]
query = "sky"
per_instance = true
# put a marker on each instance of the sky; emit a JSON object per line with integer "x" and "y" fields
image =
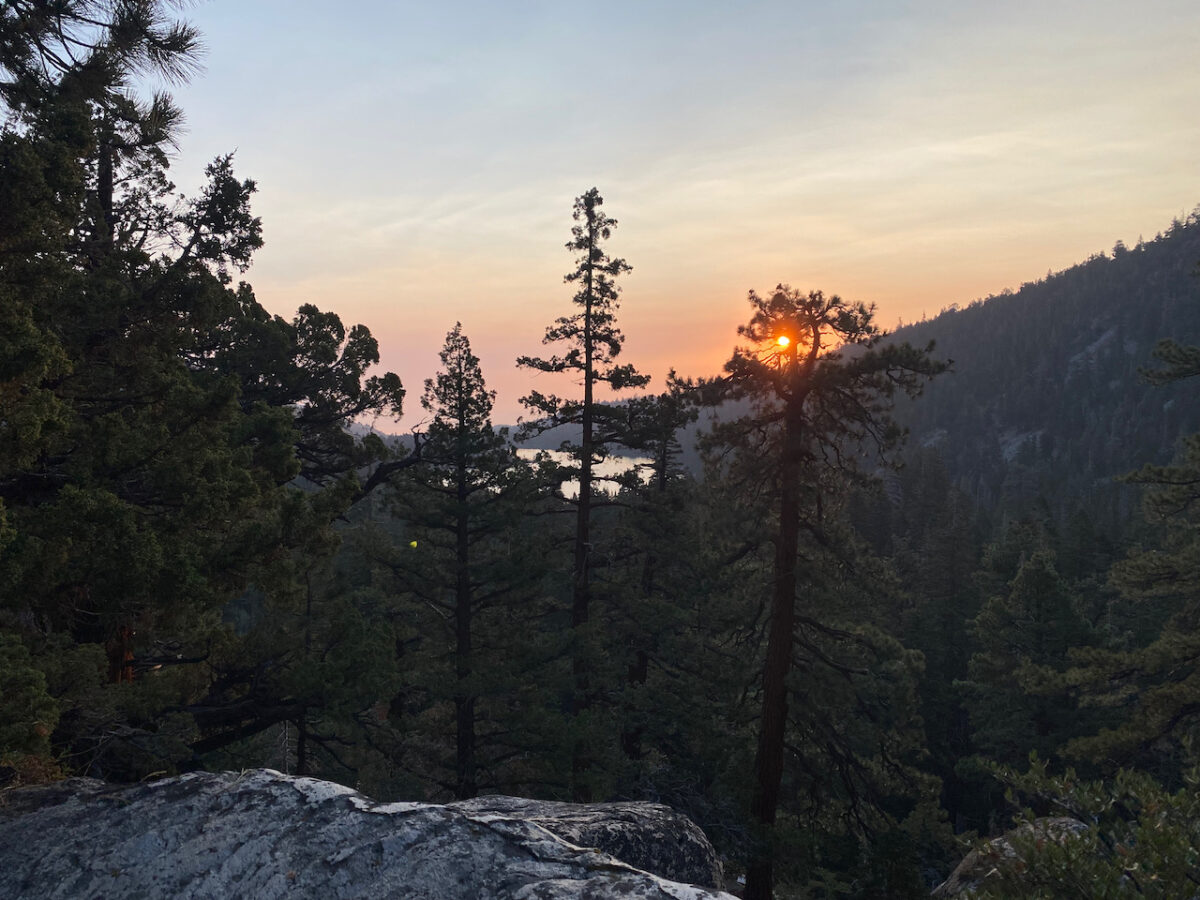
{"x": 417, "y": 162}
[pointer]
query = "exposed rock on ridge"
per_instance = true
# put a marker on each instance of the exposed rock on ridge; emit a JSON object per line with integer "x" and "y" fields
{"x": 647, "y": 836}
{"x": 261, "y": 834}
{"x": 1001, "y": 853}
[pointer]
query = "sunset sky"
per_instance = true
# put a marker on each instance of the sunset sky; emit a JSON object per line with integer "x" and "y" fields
{"x": 417, "y": 162}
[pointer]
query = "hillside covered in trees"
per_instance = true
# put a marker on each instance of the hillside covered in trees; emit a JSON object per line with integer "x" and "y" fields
{"x": 834, "y": 650}
{"x": 1047, "y": 400}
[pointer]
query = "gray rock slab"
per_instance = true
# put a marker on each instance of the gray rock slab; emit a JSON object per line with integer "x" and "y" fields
{"x": 261, "y": 834}
{"x": 1000, "y": 853}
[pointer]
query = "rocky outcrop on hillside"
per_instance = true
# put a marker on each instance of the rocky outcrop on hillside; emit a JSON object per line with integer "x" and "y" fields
{"x": 647, "y": 836}
{"x": 261, "y": 834}
{"x": 1001, "y": 854}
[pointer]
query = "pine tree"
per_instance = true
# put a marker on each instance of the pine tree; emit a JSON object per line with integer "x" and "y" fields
{"x": 1158, "y": 684}
{"x": 1032, "y": 623}
{"x": 1139, "y": 840}
{"x": 659, "y": 503}
{"x": 820, "y": 381}
{"x": 462, "y": 559}
{"x": 1142, "y": 824}
{"x": 152, "y": 415}
{"x": 936, "y": 549}
{"x": 593, "y": 342}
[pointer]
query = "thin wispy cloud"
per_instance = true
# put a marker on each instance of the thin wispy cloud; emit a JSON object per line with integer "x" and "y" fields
{"x": 417, "y": 163}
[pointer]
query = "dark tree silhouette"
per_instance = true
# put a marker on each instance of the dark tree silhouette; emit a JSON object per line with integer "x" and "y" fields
{"x": 593, "y": 342}
{"x": 822, "y": 383}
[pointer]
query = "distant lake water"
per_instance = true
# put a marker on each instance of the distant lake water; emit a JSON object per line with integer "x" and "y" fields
{"x": 610, "y": 468}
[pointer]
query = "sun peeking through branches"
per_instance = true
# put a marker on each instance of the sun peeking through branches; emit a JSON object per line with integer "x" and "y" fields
{"x": 822, "y": 383}
{"x": 790, "y": 330}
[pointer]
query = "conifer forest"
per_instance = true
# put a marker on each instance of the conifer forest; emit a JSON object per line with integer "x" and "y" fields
{"x": 854, "y": 602}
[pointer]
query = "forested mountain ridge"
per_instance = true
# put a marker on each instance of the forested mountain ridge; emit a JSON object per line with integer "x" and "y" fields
{"x": 1045, "y": 402}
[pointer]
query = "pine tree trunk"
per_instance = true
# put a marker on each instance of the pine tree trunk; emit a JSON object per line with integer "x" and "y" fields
{"x": 106, "y": 189}
{"x": 768, "y": 762}
{"x": 464, "y": 702}
{"x": 639, "y": 669}
{"x": 302, "y": 721}
{"x": 301, "y": 746}
{"x": 581, "y": 593}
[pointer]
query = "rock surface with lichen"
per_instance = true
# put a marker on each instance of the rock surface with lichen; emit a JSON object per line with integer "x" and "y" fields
{"x": 261, "y": 834}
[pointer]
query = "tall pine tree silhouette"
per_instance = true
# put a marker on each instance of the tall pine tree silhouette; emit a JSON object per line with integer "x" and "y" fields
{"x": 593, "y": 342}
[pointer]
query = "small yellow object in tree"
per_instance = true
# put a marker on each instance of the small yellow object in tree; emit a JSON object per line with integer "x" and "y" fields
{"x": 413, "y": 544}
